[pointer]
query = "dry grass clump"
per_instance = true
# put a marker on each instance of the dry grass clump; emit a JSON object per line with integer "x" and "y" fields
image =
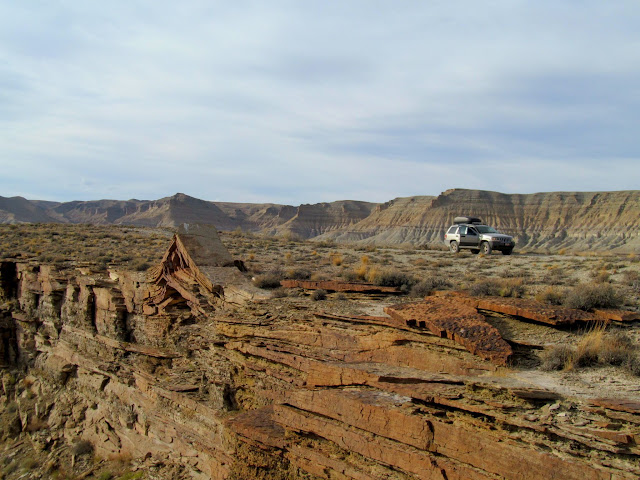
{"x": 507, "y": 287}
{"x": 336, "y": 258}
{"x": 594, "y": 295}
{"x": 596, "y": 347}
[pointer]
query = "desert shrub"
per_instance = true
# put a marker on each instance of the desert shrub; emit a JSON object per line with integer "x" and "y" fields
{"x": 141, "y": 265}
{"x": 599, "y": 347}
{"x": 318, "y": 295}
{"x": 555, "y": 276}
{"x": 318, "y": 277}
{"x": 105, "y": 476}
{"x": 630, "y": 276}
{"x": 633, "y": 364}
{"x": 279, "y": 293}
{"x": 350, "y": 276}
{"x": 602, "y": 276}
{"x": 268, "y": 280}
{"x": 390, "y": 277}
{"x": 632, "y": 279}
{"x": 616, "y": 349}
{"x": 514, "y": 273}
{"x": 298, "y": 274}
{"x": 556, "y": 358}
{"x": 596, "y": 295}
{"x": 552, "y": 296}
{"x": 508, "y": 287}
{"x": 326, "y": 244}
{"x": 427, "y": 286}
{"x": 82, "y": 447}
{"x": 587, "y": 352}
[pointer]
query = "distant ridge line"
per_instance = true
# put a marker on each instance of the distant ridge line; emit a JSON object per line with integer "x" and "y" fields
{"x": 545, "y": 220}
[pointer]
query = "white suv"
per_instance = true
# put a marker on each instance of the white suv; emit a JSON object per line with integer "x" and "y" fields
{"x": 472, "y": 234}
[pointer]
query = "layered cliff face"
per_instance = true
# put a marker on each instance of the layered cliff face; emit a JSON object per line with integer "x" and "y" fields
{"x": 313, "y": 220}
{"x": 574, "y": 220}
{"x": 553, "y": 221}
{"x": 190, "y": 365}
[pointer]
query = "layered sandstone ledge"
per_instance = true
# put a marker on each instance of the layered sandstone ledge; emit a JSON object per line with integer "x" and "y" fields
{"x": 251, "y": 389}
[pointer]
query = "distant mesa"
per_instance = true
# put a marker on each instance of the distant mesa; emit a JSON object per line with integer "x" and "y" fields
{"x": 551, "y": 221}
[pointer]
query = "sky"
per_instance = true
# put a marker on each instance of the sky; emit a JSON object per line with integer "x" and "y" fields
{"x": 309, "y": 101}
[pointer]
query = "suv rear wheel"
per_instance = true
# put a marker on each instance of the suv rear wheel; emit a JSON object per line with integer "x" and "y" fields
{"x": 485, "y": 248}
{"x": 453, "y": 246}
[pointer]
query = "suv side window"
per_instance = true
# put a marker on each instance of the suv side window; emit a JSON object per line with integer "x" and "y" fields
{"x": 463, "y": 230}
{"x": 453, "y": 230}
{"x": 472, "y": 231}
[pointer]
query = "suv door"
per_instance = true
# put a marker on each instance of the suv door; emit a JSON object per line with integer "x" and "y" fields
{"x": 468, "y": 236}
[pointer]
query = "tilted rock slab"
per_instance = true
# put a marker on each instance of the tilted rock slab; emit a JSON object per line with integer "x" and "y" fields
{"x": 457, "y": 321}
{"x": 531, "y": 309}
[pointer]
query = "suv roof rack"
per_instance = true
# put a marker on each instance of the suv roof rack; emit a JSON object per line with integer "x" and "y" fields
{"x": 473, "y": 220}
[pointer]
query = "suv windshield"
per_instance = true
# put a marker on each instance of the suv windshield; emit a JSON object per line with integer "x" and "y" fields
{"x": 485, "y": 229}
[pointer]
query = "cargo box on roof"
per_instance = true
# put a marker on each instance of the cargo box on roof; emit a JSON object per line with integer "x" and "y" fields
{"x": 467, "y": 220}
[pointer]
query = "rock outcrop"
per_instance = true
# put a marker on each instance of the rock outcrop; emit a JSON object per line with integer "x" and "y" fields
{"x": 233, "y": 390}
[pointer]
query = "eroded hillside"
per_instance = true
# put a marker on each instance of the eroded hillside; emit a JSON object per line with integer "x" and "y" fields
{"x": 552, "y": 221}
{"x": 578, "y": 221}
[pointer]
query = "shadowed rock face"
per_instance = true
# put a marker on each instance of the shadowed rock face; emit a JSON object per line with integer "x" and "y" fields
{"x": 254, "y": 391}
{"x": 554, "y": 220}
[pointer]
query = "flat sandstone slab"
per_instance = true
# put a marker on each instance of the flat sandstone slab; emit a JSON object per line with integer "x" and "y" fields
{"x": 334, "y": 286}
{"x": 456, "y": 321}
{"x": 525, "y": 308}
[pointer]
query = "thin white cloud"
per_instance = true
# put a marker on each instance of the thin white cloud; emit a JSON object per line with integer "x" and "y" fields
{"x": 298, "y": 102}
